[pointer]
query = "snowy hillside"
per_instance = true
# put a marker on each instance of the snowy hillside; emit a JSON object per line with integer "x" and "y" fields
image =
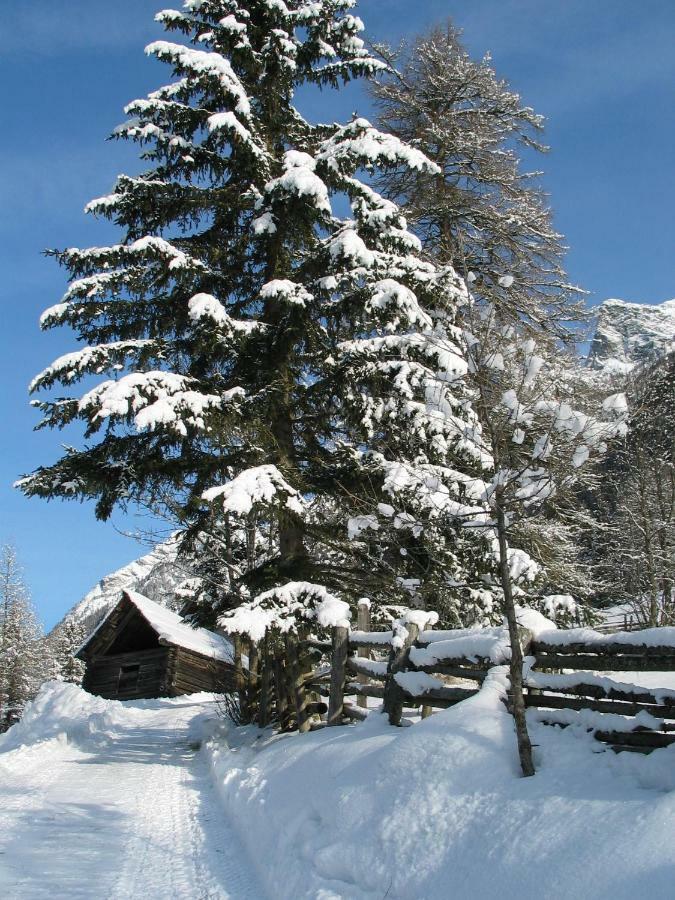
{"x": 630, "y": 333}
{"x": 155, "y": 575}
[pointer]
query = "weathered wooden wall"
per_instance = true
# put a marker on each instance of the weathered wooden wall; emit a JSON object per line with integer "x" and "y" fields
{"x": 102, "y": 674}
{"x": 190, "y": 673}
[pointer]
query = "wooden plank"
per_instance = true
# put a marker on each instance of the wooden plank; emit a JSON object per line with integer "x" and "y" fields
{"x": 455, "y": 671}
{"x": 353, "y": 665}
{"x": 602, "y": 663}
{"x": 373, "y": 640}
{"x": 450, "y": 695}
{"x": 338, "y": 674}
{"x": 548, "y": 701}
{"x": 309, "y": 643}
{"x": 636, "y": 738}
{"x": 368, "y": 690}
{"x": 583, "y": 688}
{"x": 605, "y": 649}
{"x": 354, "y": 712}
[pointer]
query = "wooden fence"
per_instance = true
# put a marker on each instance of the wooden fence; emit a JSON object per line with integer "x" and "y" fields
{"x": 621, "y": 706}
{"x": 306, "y": 684}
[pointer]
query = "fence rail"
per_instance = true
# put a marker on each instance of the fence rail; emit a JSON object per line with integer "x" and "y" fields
{"x": 307, "y": 683}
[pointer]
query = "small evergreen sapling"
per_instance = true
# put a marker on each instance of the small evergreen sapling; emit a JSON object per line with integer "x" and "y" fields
{"x": 23, "y": 662}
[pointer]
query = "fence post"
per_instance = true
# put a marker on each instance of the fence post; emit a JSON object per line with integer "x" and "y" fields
{"x": 239, "y": 684}
{"x": 253, "y": 699}
{"x": 263, "y": 705}
{"x": 426, "y": 709}
{"x": 338, "y": 674}
{"x": 297, "y": 683}
{"x": 363, "y": 624}
{"x": 282, "y": 699}
{"x": 398, "y": 658}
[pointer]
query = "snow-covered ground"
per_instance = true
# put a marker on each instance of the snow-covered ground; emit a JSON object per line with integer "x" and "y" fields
{"x": 100, "y": 799}
{"x": 438, "y": 811}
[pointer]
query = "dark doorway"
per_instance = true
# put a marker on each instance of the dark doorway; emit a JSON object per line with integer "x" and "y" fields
{"x": 128, "y": 679}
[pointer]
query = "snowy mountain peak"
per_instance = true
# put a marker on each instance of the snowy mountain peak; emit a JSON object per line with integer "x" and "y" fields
{"x": 631, "y": 333}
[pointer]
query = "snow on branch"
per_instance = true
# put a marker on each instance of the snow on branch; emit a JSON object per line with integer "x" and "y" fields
{"x": 258, "y": 485}
{"x": 389, "y": 295}
{"x": 152, "y": 399}
{"x": 287, "y": 291}
{"x": 74, "y": 365}
{"x": 207, "y": 307}
{"x": 199, "y": 62}
{"x": 285, "y": 608}
{"x": 358, "y": 145}
{"x": 150, "y": 245}
{"x": 300, "y": 180}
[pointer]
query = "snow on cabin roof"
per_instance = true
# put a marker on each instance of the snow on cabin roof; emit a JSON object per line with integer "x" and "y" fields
{"x": 172, "y": 629}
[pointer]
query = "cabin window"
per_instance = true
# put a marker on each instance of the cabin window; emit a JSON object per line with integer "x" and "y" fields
{"x": 128, "y": 679}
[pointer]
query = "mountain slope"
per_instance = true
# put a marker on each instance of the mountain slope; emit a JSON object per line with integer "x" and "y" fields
{"x": 628, "y": 334}
{"x": 155, "y": 575}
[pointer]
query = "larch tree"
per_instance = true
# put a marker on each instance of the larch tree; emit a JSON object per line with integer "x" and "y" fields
{"x": 480, "y": 211}
{"x": 631, "y": 538}
{"x": 538, "y": 441}
{"x": 265, "y": 357}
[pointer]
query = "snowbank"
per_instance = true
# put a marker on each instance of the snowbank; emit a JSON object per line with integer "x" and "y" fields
{"x": 429, "y": 812}
{"x": 438, "y": 810}
{"x": 65, "y": 713}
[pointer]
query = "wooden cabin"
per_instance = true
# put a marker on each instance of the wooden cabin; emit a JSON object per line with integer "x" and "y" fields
{"x": 143, "y": 650}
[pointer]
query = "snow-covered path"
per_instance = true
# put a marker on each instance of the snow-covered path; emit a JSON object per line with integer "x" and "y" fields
{"x": 126, "y": 810}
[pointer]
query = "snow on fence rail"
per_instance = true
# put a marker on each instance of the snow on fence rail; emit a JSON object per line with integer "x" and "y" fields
{"x": 417, "y": 667}
{"x": 624, "y": 715}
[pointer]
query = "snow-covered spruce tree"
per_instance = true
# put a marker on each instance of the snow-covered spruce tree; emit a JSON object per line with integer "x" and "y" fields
{"x": 238, "y": 312}
{"x": 22, "y": 658}
{"x": 538, "y": 442}
{"x": 482, "y": 212}
{"x": 59, "y": 646}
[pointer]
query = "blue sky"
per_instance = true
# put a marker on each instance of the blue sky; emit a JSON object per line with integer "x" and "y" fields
{"x": 601, "y": 71}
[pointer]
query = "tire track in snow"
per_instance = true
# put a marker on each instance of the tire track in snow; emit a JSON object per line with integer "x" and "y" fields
{"x": 134, "y": 819}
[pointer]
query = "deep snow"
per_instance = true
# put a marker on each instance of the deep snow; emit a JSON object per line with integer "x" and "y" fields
{"x": 107, "y": 799}
{"x": 438, "y": 811}
{"x": 100, "y": 799}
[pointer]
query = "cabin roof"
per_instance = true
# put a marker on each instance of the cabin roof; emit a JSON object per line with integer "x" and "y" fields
{"x": 172, "y": 629}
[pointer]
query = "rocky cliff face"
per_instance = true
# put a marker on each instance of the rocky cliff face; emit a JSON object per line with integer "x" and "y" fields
{"x": 628, "y": 334}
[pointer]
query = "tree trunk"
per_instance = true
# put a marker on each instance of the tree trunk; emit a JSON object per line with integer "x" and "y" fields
{"x": 363, "y": 624}
{"x": 338, "y": 674}
{"x": 516, "y": 665}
